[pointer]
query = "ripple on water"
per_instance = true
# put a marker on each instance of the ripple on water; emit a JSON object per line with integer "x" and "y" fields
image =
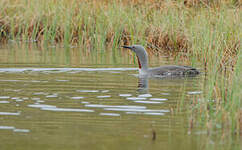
{"x": 104, "y": 96}
{"x": 125, "y": 95}
{"x": 148, "y": 102}
{"x": 10, "y": 80}
{"x": 136, "y": 110}
{"x": 88, "y": 91}
{"x": 40, "y": 93}
{"x": 13, "y": 128}
{"x": 110, "y": 114}
{"x": 77, "y": 97}
{"x": 66, "y": 109}
{"x": 61, "y": 80}
{"x": 40, "y": 101}
{"x": 115, "y": 106}
{"x": 4, "y": 102}
{"x": 134, "y": 113}
{"x": 52, "y": 96}
{"x": 35, "y": 98}
{"x": 41, "y": 106}
{"x": 157, "y": 114}
{"x": 194, "y": 92}
{"x": 4, "y": 97}
{"x": 54, "y": 70}
{"x": 19, "y": 100}
{"x": 145, "y": 95}
{"x": 7, "y": 127}
{"x": 37, "y": 81}
{"x": 158, "y": 99}
{"x": 54, "y": 108}
{"x": 136, "y": 98}
{"x": 147, "y": 113}
{"x": 10, "y": 113}
{"x": 21, "y": 130}
{"x": 165, "y": 93}
{"x": 13, "y": 90}
{"x": 105, "y": 91}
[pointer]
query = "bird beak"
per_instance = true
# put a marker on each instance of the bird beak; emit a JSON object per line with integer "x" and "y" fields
{"x": 129, "y": 47}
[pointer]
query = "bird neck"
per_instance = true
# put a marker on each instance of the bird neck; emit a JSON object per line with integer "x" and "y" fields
{"x": 139, "y": 62}
{"x": 143, "y": 63}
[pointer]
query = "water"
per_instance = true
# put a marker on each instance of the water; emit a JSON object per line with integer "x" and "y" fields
{"x": 71, "y": 99}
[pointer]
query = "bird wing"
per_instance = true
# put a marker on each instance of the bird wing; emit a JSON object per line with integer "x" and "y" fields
{"x": 174, "y": 70}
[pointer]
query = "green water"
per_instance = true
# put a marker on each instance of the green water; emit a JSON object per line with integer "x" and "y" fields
{"x": 57, "y": 98}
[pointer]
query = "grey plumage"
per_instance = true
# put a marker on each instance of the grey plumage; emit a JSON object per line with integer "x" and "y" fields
{"x": 173, "y": 70}
{"x": 170, "y": 70}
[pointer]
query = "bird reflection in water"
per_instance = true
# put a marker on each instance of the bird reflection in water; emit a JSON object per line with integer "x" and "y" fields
{"x": 143, "y": 85}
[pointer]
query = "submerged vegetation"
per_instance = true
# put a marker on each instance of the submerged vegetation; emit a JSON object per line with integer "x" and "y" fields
{"x": 207, "y": 33}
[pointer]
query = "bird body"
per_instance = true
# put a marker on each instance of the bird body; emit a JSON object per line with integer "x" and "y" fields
{"x": 169, "y": 70}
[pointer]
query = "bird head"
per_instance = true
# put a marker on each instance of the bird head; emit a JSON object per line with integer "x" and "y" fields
{"x": 141, "y": 55}
{"x": 135, "y": 48}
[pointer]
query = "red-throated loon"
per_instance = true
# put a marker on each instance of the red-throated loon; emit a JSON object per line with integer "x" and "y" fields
{"x": 170, "y": 70}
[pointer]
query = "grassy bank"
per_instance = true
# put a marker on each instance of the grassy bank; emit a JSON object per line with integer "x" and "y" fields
{"x": 207, "y": 33}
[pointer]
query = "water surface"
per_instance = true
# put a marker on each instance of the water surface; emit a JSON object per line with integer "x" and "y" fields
{"x": 71, "y": 99}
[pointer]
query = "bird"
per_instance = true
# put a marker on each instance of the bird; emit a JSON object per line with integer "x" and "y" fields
{"x": 163, "y": 71}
